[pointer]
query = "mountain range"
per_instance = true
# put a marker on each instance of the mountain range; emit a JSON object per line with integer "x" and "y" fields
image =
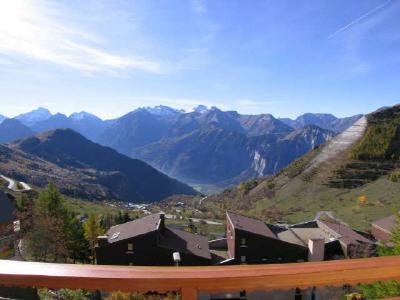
{"x": 84, "y": 169}
{"x": 356, "y": 175}
{"x": 207, "y": 146}
{"x": 326, "y": 121}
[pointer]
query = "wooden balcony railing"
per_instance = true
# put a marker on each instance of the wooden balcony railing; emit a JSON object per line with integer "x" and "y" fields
{"x": 191, "y": 280}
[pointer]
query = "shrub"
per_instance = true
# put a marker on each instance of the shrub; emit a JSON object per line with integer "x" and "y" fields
{"x": 380, "y": 289}
{"x": 246, "y": 187}
{"x": 395, "y": 176}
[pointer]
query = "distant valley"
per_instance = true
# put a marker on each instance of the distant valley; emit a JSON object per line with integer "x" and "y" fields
{"x": 207, "y": 148}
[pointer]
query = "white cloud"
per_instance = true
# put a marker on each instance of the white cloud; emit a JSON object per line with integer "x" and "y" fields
{"x": 32, "y": 28}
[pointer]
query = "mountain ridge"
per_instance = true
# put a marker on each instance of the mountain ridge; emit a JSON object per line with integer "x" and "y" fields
{"x": 12, "y": 129}
{"x": 84, "y": 163}
{"x": 326, "y": 121}
{"x": 147, "y": 132}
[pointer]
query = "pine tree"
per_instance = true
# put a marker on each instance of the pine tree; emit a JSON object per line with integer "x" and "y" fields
{"x": 25, "y": 213}
{"x": 47, "y": 238}
{"x": 77, "y": 245}
{"x": 50, "y": 203}
{"x": 126, "y": 217}
{"x": 119, "y": 219}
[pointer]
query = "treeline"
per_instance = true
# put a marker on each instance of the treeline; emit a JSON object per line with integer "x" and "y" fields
{"x": 382, "y": 139}
{"x": 52, "y": 233}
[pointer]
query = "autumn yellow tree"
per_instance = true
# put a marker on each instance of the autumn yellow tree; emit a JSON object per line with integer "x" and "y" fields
{"x": 93, "y": 229}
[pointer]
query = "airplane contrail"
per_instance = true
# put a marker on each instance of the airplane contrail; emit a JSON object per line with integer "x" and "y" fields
{"x": 359, "y": 19}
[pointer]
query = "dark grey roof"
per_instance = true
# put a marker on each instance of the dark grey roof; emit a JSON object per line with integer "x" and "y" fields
{"x": 185, "y": 242}
{"x": 387, "y": 223}
{"x": 7, "y": 209}
{"x": 174, "y": 239}
{"x": 344, "y": 233}
{"x": 134, "y": 228}
{"x": 250, "y": 225}
{"x": 306, "y": 224}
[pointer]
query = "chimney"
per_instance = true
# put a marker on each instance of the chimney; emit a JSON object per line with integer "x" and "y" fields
{"x": 161, "y": 224}
{"x": 102, "y": 240}
{"x": 316, "y": 249}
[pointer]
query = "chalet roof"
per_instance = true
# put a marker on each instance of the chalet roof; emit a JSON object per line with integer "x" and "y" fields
{"x": 342, "y": 232}
{"x": 251, "y": 225}
{"x": 301, "y": 236}
{"x": 386, "y": 224}
{"x": 7, "y": 209}
{"x": 185, "y": 242}
{"x": 174, "y": 239}
{"x": 133, "y": 228}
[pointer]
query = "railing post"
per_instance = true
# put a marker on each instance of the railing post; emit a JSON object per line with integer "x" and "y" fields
{"x": 189, "y": 294}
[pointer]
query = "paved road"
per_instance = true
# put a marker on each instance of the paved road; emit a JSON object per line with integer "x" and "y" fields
{"x": 195, "y": 220}
{"x": 208, "y": 222}
{"x": 12, "y": 185}
{"x": 340, "y": 143}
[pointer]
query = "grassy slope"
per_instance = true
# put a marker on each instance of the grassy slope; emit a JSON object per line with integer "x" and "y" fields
{"x": 293, "y": 196}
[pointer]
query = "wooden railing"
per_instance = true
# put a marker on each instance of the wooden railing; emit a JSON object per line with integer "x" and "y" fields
{"x": 191, "y": 280}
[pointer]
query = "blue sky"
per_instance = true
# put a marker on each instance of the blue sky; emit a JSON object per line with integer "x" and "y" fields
{"x": 259, "y": 56}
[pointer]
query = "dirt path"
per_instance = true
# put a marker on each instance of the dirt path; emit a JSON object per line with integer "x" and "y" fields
{"x": 340, "y": 143}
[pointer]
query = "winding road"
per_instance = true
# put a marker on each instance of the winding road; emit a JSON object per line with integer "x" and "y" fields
{"x": 13, "y": 185}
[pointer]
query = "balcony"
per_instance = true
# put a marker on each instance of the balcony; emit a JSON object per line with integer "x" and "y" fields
{"x": 189, "y": 281}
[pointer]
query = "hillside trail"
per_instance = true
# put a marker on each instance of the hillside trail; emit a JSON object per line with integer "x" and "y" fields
{"x": 340, "y": 143}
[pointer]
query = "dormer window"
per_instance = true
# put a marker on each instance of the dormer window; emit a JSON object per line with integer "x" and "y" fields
{"x": 115, "y": 236}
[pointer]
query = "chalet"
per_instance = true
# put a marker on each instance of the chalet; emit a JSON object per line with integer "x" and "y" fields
{"x": 251, "y": 241}
{"x": 329, "y": 249}
{"x": 149, "y": 242}
{"x": 339, "y": 239}
{"x": 382, "y": 229}
{"x": 354, "y": 244}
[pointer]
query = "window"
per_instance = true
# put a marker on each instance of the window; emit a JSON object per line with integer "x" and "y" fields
{"x": 243, "y": 259}
{"x": 243, "y": 241}
{"x": 130, "y": 246}
{"x": 131, "y": 264}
